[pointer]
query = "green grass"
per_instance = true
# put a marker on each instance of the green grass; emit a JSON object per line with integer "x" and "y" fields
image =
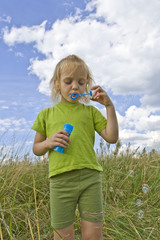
{"x": 24, "y": 197}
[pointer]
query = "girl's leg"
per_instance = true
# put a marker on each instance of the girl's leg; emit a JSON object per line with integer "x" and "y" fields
{"x": 91, "y": 205}
{"x": 65, "y": 233}
{"x": 91, "y": 230}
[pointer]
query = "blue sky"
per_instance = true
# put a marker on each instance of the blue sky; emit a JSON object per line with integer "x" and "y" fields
{"x": 120, "y": 42}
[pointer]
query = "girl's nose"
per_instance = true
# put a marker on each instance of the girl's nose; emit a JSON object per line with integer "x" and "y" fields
{"x": 75, "y": 86}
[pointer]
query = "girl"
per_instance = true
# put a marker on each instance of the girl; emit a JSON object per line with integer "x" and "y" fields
{"x": 75, "y": 176}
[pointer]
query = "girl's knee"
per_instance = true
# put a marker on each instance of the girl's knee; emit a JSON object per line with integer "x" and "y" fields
{"x": 65, "y": 233}
{"x": 91, "y": 230}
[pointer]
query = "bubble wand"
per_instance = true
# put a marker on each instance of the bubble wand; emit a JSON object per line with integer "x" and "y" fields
{"x": 75, "y": 95}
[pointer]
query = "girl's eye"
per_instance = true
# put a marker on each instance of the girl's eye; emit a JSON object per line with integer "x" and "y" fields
{"x": 67, "y": 83}
{"x": 81, "y": 83}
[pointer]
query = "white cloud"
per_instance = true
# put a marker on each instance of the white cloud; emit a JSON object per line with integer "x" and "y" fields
{"x": 24, "y": 34}
{"x": 11, "y": 124}
{"x": 5, "y": 18}
{"x": 140, "y": 126}
{"x": 19, "y": 54}
{"x": 4, "y": 107}
{"x": 136, "y": 54}
{"x": 151, "y": 100}
{"x": 44, "y": 71}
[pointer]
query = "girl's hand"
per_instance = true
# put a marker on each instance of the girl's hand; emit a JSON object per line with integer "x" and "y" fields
{"x": 60, "y": 138}
{"x": 101, "y": 96}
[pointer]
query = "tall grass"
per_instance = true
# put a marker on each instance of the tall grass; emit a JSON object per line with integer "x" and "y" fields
{"x": 131, "y": 209}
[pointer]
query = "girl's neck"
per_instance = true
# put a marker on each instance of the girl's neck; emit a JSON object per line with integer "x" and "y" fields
{"x": 69, "y": 103}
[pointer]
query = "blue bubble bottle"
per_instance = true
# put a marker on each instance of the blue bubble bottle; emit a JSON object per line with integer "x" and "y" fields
{"x": 68, "y": 128}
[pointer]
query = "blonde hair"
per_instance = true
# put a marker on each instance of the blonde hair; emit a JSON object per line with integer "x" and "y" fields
{"x": 55, "y": 81}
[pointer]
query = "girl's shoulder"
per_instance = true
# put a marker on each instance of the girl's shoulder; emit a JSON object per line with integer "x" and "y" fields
{"x": 91, "y": 107}
{"x": 46, "y": 111}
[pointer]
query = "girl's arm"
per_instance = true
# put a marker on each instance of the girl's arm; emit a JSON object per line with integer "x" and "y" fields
{"x": 110, "y": 133}
{"x": 42, "y": 145}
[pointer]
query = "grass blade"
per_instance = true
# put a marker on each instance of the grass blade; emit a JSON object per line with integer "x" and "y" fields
{"x": 30, "y": 228}
{"x": 1, "y": 235}
{"x": 35, "y": 199}
{"x": 11, "y": 215}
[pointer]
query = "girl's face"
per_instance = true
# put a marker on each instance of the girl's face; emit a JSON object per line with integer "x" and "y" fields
{"x": 73, "y": 80}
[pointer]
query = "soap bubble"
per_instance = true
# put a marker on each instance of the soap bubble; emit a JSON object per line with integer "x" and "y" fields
{"x": 139, "y": 202}
{"x": 111, "y": 189}
{"x": 145, "y": 188}
{"x": 140, "y": 214}
{"x": 131, "y": 173}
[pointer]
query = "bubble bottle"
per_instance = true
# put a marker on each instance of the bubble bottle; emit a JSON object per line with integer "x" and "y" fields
{"x": 68, "y": 128}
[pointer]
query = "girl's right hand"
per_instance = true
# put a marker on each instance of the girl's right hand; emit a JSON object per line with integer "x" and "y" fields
{"x": 60, "y": 138}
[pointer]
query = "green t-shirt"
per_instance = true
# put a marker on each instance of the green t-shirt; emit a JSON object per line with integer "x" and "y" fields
{"x": 80, "y": 152}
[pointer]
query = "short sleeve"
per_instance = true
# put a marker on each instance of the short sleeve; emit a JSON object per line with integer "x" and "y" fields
{"x": 39, "y": 124}
{"x": 99, "y": 120}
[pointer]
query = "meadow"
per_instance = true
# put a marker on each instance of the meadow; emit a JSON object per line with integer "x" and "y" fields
{"x": 131, "y": 191}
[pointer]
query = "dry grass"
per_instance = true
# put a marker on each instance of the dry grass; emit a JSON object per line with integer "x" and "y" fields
{"x": 24, "y": 198}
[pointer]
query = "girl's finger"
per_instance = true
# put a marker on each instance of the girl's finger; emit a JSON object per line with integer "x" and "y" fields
{"x": 62, "y": 141}
{"x": 95, "y": 87}
{"x": 64, "y": 145}
{"x": 62, "y": 136}
{"x": 63, "y": 132}
{"x": 99, "y": 95}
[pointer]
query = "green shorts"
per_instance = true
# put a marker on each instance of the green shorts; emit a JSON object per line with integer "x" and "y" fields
{"x": 82, "y": 187}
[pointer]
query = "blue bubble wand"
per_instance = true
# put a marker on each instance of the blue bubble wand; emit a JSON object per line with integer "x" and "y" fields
{"x": 76, "y": 95}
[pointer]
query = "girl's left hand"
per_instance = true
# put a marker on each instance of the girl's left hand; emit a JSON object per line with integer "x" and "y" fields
{"x": 101, "y": 96}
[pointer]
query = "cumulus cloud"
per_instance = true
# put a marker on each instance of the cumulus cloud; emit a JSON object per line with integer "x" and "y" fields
{"x": 120, "y": 41}
{"x": 24, "y": 34}
{"x": 136, "y": 50}
{"x": 140, "y": 126}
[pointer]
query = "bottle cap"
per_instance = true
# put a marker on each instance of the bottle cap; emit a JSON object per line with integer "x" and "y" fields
{"x": 68, "y": 127}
